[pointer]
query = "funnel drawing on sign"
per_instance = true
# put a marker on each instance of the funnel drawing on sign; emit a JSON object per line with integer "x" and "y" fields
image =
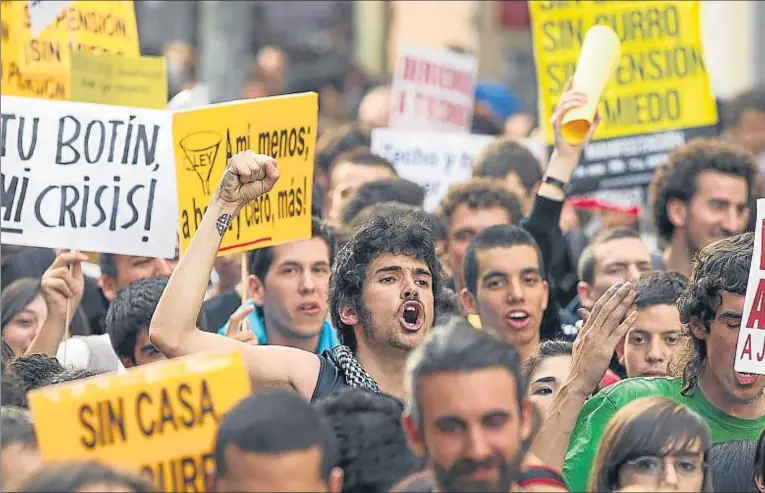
{"x": 201, "y": 150}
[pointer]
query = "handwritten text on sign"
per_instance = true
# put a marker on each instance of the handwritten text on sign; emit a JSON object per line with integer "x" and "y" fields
{"x": 87, "y": 176}
{"x": 282, "y": 127}
{"x": 159, "y": 419}
{"x": 661, "y": 83}
{"x": 38, "y": 65}
{"x": 432, "y": 160}
{"x": 433, "y": 90}
{"x": 750, "y": 354}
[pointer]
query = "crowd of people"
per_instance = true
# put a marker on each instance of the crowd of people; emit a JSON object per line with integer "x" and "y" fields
{"x": 500, "y": 343}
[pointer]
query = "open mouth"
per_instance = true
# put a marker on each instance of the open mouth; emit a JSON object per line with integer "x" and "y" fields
{"x": 745, "y": 379}
{"x": 517, "y": 319}
{"x": 411, "y": 315}
{"x": 309, "y": 308}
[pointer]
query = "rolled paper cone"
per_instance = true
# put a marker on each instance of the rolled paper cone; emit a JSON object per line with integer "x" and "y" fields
{"x": 598, "y": 60}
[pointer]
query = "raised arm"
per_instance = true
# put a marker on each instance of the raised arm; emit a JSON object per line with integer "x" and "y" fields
{"x": 62, "y": 285}
{"x": 611, "y": 318}
{"x": 173, "y": 328}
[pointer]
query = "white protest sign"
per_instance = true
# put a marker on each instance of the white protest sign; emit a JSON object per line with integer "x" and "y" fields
{"x": 750, "y": 353}
{"x": 43, "y": 12}
{"x": 88, "y": 176}
{"x": 432, "y": 160}
{"x": 433, "y": 91}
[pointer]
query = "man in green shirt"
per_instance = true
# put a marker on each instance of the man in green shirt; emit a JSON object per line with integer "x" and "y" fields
{"x": 732, "y": 403}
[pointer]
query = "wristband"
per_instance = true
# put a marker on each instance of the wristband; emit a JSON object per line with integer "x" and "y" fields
{"x": 551, "y": 180}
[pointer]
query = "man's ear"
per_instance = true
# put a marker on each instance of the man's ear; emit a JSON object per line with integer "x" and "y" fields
{"x": 584, "y": 291}
{"x": 759, "y": 481}
{"x": 546, "y": 298}
{"x": 348, "y": 316}
{"x": 469, "y": 304}
{"x": 255, "y": 290}
{"x": 677, "y": 212}
{"x": 127, "y": 362}
{"x": 413, "y": 435}
{"x": 527, "y": 425}
{"x": 697, "y": 328}
{"x": 108, "y": 286}
{"x": 336, "y": 480}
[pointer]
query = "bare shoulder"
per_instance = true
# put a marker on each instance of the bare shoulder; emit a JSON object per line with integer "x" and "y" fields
{"x": 284, "y": 367}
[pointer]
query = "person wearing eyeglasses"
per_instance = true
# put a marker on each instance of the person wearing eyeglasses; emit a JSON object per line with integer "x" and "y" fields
{"x": 653, "y": 444}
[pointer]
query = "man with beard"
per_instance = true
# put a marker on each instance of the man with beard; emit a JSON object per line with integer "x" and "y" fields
{"x": 467, "y": 413}
{"x": 382, "y": 296}
{"x": 701, "y": 195}
{"x": 731, "y": 402}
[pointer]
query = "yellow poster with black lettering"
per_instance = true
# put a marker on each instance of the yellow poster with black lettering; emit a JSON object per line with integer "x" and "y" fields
{"x": 119, "y": 80}
{"x": 283, "y": 127}
{"x": 658, "y": 99}
{"x": 38, "y": 66}
{"x": 160, "y": 419}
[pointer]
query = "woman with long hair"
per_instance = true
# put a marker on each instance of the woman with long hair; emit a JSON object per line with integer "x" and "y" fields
{"x": 23, "y": 313}
{"x": 653, "y": 443}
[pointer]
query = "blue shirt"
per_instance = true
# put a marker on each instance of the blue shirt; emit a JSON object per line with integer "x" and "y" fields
{"x": 327, "y": 338}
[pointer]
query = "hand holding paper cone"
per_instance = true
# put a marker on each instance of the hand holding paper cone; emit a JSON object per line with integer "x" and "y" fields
{"x": 598, "y": 60}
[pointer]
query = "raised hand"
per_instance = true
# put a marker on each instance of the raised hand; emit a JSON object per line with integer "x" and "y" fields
{"x": 239, "y": 328}
{"x": 569, "y": 100}
{"x": 247, "y": 177}
{"x": 60, "y": 283}
{"x": 611, "y": 317}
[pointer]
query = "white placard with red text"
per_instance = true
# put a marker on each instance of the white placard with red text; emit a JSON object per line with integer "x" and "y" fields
{"x": 433, "y": 91}
{"x": 750, "y": 353}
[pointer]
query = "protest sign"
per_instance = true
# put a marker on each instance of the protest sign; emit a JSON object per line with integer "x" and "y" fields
{"x": 119, "y": 80}
{"x": 750, "y": 353}
{"x": 283, "y": 127}
{"x": 88, "y": 176}
{"x": 159, "y": 419}
{"x": 433, "y": 90}
{"x": 42, "y": 13}
{"x": 433, "y": 160}
{"x": 659, "y": 98}
{"x": 38, "y": 66}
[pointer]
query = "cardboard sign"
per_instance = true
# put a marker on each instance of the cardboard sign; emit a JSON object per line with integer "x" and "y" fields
{"x": 87, "y": 176}
{"x": 283, "y": 127}
{"x": 119, "y": 80}
{"x": 433, "y": 160}
{"x": 38, "y": 65}
{"x": 159, "y": 419}
{"x": 659, "y": 98}
{"x": 750, "y": 353}
{"x": 42, "y": 13}
{"x": 433, "y": 91}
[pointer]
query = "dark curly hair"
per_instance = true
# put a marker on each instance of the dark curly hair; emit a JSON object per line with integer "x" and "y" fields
{"x": 374, "y": 454}
{"x": 506, "y": 155}
{"x": 34, "y": 371}
{"x": 480, "y": 193}
{"x": 659, "y": 288}
{"x": 676, "y": 180}
{"x": 385, "y": 233}
{"x": 722, "y": 266}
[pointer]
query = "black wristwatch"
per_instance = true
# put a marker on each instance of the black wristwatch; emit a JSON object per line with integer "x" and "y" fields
{"x": 551, "y": 180}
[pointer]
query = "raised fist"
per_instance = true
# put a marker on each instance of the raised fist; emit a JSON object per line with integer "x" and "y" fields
{"x": 247, "y": 177}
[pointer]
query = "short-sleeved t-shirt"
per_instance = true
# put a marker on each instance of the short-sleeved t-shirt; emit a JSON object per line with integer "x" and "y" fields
{"x": 598, "y": 410}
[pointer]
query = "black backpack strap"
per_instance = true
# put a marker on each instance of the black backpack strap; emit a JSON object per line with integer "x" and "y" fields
{"x": 330, "y": 377}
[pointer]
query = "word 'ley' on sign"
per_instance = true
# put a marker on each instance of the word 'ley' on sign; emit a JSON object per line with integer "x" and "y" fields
{"x": 159, "y": 419}
{"x": 283, "y": 127}
{"x": 750, "y": 352}
{"x": 87, "y": 176}
{"x": 658, "y": 99}
{"x": 433, "y": 90}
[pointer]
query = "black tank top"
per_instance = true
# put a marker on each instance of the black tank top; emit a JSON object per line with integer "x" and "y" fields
{"x": 331, "y": 378}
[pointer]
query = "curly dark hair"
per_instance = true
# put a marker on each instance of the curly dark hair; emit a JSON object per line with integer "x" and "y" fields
{"x": 506, "y": 155}
{"x": 676, "y": 180}
{"x": 722, "y": 266}
{"x": 34, "y": 370}
{"x": 659, "y": 288}
{"x": 385, "y": 233}
{"x": 480, "y": 193}
{"x": 374, "y": 454}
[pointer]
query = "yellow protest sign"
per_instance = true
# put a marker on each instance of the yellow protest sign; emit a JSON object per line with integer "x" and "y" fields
{"x": 159, "y": 419}
{"x": 283, "y": 127}
{"x": 661, "y": 82}
{"x": 119, "y": 80}
{"x": 38, "y": 66}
